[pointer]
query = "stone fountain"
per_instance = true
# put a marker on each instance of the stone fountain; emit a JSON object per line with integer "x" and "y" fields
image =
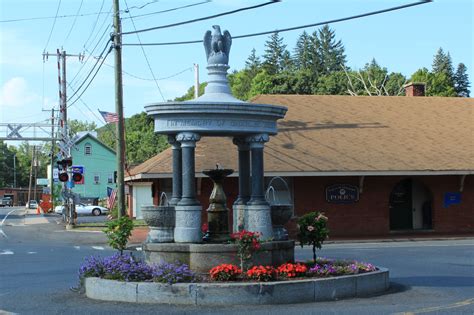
{"x": 217, "y": 114}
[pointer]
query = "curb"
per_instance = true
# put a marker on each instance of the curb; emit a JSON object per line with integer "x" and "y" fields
{"x": 249, "y": 293}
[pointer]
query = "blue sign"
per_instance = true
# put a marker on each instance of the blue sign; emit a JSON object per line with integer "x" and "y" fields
{"x": 77, "y": 169}
{"x": 342, "y": 193}
{"x": 452, "y": 198}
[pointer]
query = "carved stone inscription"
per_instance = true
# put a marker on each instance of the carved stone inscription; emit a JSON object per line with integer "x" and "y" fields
{"x": 221, "y": 123}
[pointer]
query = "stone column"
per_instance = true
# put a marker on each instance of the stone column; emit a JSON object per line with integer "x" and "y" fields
{"x": 239, "y": 206}
{"x": 177, "y": 171}
{"x": 258, "y": 209}
{"x": 188, "y": 209}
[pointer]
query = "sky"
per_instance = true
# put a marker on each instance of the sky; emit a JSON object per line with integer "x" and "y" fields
{"x": 402, "y": 41}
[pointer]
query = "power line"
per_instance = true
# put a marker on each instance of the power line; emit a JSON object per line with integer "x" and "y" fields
{"x": 85, "y": 104}
{"x": 74, "y": 22}
{"x": 150, "y": 79}
{"x": 52, "y": 28}
{"x": 90, "y": 72}
{"x": 92, "y": 79}
{"x": 140, "y": 7}
{"x": 49, "y": 17}
{"x": 168, "y": 10}
{"x": 95, "y": 23}
{"x": 90, "y": 54}
{"x": 200, "y": 19}
{"x": 146, "y": 58}
{"x": 288, "y": 29}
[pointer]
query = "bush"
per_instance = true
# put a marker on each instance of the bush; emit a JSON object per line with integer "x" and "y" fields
{"x": 262, "y": 273}
{"x": 173, "y": 273}
{"x": 247, "y": 243}
{"x": 118, "y": 232}
{"x": 127, "y": 268}
{"x": 292, "y": 270}
{"x": 312, "y": 230}
{"x": 225, "y": 272}
{"x": 116, "y": 267}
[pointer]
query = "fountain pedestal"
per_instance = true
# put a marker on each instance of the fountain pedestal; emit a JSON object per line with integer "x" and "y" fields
{"x": 217, "y": 213}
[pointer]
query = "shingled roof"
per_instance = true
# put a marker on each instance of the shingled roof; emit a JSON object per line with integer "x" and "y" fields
{"x": 351, "y": 135}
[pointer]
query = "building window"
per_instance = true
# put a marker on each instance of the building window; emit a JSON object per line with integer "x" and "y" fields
{"x": 96, "y": 178}
{"x": 110, "y": 178}
{"x": 87, "y": 149}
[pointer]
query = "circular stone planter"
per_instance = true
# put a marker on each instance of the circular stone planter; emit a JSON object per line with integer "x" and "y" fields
{"x": 240, "y": 293}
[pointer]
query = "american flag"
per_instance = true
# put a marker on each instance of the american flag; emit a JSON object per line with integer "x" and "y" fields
{"x": 111, "y": 194}
{"x": 109, "y": 117}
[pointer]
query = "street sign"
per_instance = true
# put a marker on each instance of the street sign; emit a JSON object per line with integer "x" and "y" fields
{"x": 42, "y": 182}
{"x": 55, "y": 175}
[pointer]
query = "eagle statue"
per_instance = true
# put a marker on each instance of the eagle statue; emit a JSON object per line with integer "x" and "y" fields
{"x": 217, "y": 46}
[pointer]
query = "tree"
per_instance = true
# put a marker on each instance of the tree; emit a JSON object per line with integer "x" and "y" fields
{"x": 331, "y": 52}
{"x": 76, "y": 126}
{"x": 302, "y": 53}
{"x": 334, "y": 83}
{"x": 190, "y": 93}
{"x": 442, "y": 64}
{"x": 437, "y": 84}
{"x": 274, "y": 54}
{"x": 141, "y": 142}
{"x": 461, "y": 81}
{"x": 374, "y": 80}
{"x": 253, "y": 64}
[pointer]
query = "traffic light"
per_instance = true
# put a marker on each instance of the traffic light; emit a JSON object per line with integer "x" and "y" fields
{"x": 63, "y": 177}
{"x": 76, "y": 177}
{"x": 64, "y": 164}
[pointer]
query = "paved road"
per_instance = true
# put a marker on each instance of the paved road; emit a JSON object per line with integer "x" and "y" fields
{"x": 39, "y": 263}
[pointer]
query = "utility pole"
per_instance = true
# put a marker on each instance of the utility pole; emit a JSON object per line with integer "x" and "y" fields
{"x": 14, "y": 170}
{"x": 117, "y": 36}
{"x": 31, "y": 175}
{"x": 196, "y": 80}
{"x": 51, "y": 182}
{"x": 35, "y": 160}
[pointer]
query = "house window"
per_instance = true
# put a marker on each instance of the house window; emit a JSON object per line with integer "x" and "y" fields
{"x": 96, "y": 178}
{"x": 110, "y": 178}
{"x": 87, "y": 149}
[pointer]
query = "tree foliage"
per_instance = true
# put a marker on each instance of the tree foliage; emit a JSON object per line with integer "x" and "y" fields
{"x": 461, "y": 81}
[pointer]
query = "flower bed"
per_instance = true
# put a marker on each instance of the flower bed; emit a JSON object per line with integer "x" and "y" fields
{"x": 127, "y": 268}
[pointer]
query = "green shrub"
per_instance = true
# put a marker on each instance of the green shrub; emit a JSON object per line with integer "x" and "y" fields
{"x": 118, "y": 232}
{"x": 312, "y": 230}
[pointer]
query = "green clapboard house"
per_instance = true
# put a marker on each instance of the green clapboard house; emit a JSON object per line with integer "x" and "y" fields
{"x": 97, "y": 162}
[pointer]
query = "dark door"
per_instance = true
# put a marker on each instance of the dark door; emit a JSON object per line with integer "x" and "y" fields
{"x": 401, "y": 216}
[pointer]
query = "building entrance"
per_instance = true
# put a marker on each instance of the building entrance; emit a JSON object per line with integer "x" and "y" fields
{"x": 410, "y": 206}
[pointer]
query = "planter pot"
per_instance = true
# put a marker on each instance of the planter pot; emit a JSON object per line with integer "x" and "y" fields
{"x": 161, "y": 220}
{"x": 281, "y": 214}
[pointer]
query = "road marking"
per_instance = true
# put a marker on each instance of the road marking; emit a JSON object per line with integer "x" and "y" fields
{"x": 2, "y": 312}
{"x": 3, "y": 233}
{"x": 98, "y": 247}
{"x": 439, "y": 308}
{"x": 6, "y": 252}
{"x": 139, "y": 249}
{"x": 77, "y": 247}
{"x": 1, "y": 223}
{"x": 31, "y": 253}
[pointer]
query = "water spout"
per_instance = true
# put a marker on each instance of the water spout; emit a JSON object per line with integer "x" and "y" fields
{"x": 163, "y": 196}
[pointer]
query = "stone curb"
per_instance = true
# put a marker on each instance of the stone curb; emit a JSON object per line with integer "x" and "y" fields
{"x": 253, "y": 293}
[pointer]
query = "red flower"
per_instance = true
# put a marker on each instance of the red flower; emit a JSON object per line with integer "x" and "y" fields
{"x": 262, "y": 273}
{"x": 225, "y": 272}
{"x": 290, "y": 270}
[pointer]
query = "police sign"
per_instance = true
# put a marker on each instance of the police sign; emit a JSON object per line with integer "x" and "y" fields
{"x": 342, "y": 193}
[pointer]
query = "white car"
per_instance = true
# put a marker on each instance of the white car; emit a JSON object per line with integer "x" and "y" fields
{"x": 84, "y": 209}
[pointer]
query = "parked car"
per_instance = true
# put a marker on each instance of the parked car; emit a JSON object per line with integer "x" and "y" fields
{"x": 6, "y": 202}
{"x": 84, "y": 209}
{"x": 32, "y": 204}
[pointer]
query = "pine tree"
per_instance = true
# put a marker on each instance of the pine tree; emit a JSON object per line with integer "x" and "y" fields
{"x": 302, "y": 52}
{"x": 331, "y": 52}
{"x": 253, "y": 64}
{"x": 442, "y": 64}
{"x": 315, "y": 57}
{"x": 461, "y": 81}
{"x": 274, "y": 52}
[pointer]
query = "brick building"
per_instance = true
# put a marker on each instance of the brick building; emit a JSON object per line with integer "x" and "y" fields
{"x": 374, "y": 165}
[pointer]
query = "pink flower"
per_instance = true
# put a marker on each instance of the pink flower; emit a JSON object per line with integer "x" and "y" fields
{"x": 310, "y": 228}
